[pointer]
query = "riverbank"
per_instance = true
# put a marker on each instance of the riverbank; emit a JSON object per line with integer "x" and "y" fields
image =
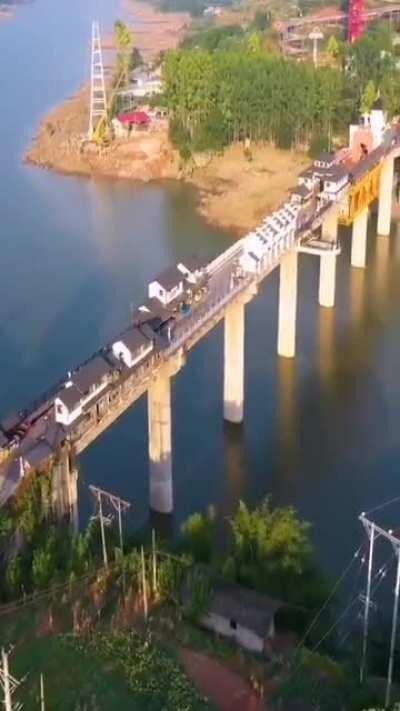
{"x": 155, "y": 31}
{"x": 235, "y": 190}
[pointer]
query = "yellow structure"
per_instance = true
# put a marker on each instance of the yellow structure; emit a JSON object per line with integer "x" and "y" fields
{"x": 360, "y": 196}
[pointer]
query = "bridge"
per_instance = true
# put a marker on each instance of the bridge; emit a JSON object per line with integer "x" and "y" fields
{"x": 185, "y": 303}
{"x": 289, "y": 29}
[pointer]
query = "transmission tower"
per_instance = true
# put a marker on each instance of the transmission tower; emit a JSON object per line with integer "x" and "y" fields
{"x": 98, "y": 98}
{"x": 356, "y": 20}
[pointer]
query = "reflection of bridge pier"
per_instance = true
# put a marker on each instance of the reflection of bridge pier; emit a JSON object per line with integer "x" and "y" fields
{"x": 189, "y": 301}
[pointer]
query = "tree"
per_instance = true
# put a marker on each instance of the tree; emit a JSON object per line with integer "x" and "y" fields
{"x": 125, "y": 56}
{"x": 333, "y": 47}
{"x": 198, "y": 535}
{"x": 369, "y": 97}
{"x": 271, "y": 552}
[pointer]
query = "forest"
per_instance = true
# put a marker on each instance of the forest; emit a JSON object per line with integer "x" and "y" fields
{"x": 239, "y": 90}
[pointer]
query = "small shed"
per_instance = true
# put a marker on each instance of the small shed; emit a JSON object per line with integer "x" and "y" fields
{"x": 167, "y": 285}
{"x": 131, "y": 347}
{"x": 238, "y": 613}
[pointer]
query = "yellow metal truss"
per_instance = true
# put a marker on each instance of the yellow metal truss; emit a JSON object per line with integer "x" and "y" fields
{"x": 360, "y": 196}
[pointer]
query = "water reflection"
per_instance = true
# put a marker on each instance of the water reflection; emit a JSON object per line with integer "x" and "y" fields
{"x": 326, "y": 344}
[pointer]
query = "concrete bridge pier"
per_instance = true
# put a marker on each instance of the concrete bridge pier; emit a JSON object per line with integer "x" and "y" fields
{"x": 288, "y": 305}
{"x": 234, "y": 327}
{"x": 385, "y": 197}
{"x": 160, "y": 447}
{"x": 65, "y": 488}
{"x": 327, "y": 271}
{"x": 359, "y": 240}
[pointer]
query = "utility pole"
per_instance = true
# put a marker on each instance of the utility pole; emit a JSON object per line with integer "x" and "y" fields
{"x": 42, "y": 704}
{"x": 315, "y": 36}
{"x": 9, "y": 684}
{"x": 119, "y": 505}
{"x": 374, "y": 530}
{"x": 394, "y": 630}
{"x": 370, "y": 528}
{"x": 154, "y": 556}
{"x": 144, "y": 585}
{"x": 98, "y": 99}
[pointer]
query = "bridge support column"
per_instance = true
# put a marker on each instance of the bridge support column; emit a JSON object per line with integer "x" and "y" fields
{"x": 359, "y": 240}
{"x": 288, "y": 305}
{"x": 385, "y": 197}
{"x": 327, "y": 280}
{"x": 327, "y": 271}
{"x": 160, "y": 450}
{"x": 234, "y": 362}
{"x": 65, "y": 489}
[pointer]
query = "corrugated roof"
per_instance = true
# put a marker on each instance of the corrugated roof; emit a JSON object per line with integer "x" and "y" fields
{"x": 92, "y": 373}
{"x": 134, "y": 340}
{"x": 70, "y": 396}
{"x": 246, "y": 607}
{"x": 170, "y": 278}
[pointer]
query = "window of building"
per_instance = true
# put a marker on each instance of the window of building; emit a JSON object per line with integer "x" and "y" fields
{"x": 233, "y": 624}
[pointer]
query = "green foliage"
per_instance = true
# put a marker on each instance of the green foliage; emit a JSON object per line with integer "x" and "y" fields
{"x": 198, "y": 535}
{"x": 333, "y": 47}
{"x": 32, "y": 507}
{"x": 171, "y": 574}
{"x": 369, "y": 97}
{"x": 319, "y": 144}
{"x": 271, "y": 552}
{"x": 125, "y": 62}
{"x": 152, "y": 673}
{"x": 224, "y": 96}
{"x": 7, "y": 524}
{"x": 213, "y": 38}
{"x": 262, "y": 20}
{"x": 198, "y": 587}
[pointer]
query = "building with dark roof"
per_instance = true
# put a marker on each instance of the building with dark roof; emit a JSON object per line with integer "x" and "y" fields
{"x": 236, "y": 612}
{"x": 167, "y": 286}
{"x": 131, "y": 347}
{"x": 89, "y": 376}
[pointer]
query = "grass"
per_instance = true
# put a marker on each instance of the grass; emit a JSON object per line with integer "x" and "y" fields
{"x": 72, "y": 679}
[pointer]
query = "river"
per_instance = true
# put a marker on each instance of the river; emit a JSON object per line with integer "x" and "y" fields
{"x": 321, "y": 432}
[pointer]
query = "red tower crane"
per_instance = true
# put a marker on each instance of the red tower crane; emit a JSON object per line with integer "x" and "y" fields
{"x": 356, "y": 20}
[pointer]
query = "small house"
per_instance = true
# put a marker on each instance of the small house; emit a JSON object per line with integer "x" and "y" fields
{"x": 67, "y": 404}
{"x": 168, "y": 285}
{"x": 83, "y": 387}
{"x": 131, "y": 347}
{"x": 301, "y": 195}
{"x": 238, "y": 613}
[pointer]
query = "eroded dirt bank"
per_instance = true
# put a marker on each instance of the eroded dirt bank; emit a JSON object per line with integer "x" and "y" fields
{"x": 235, "y": 190}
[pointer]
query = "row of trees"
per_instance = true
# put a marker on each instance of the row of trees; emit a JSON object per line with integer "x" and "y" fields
{"x": 220, "y": 97}
{"x": 228, "y": 87}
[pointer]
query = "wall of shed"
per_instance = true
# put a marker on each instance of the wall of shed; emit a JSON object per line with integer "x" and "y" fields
{"x": 243, "y": 636}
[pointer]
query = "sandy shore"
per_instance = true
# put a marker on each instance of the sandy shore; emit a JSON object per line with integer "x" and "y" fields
{"x": 154, "y": 31}
{"x": 234, "y": 192}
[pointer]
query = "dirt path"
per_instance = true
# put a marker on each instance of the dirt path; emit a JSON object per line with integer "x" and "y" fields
{"x": 225, "y": 688}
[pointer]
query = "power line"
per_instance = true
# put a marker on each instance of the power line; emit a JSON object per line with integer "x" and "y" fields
{"x": 328, "y": 599}
{"x": 381, "y": 506}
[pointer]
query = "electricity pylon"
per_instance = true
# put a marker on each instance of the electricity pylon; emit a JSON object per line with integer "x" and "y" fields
{"x": 98, "y": 98}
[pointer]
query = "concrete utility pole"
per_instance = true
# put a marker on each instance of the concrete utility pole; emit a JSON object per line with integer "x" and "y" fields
{"x": 120, "y": 505}
{"x": 315, "y": 36}
{"x": 373, "y": 530}
{"x": 9, "y": 684}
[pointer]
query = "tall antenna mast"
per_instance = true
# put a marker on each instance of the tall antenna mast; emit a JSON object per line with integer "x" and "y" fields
{"x": 98, "y": 99}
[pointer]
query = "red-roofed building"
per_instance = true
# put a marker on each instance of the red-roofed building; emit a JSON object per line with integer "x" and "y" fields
{"x": 134, "y": 118}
